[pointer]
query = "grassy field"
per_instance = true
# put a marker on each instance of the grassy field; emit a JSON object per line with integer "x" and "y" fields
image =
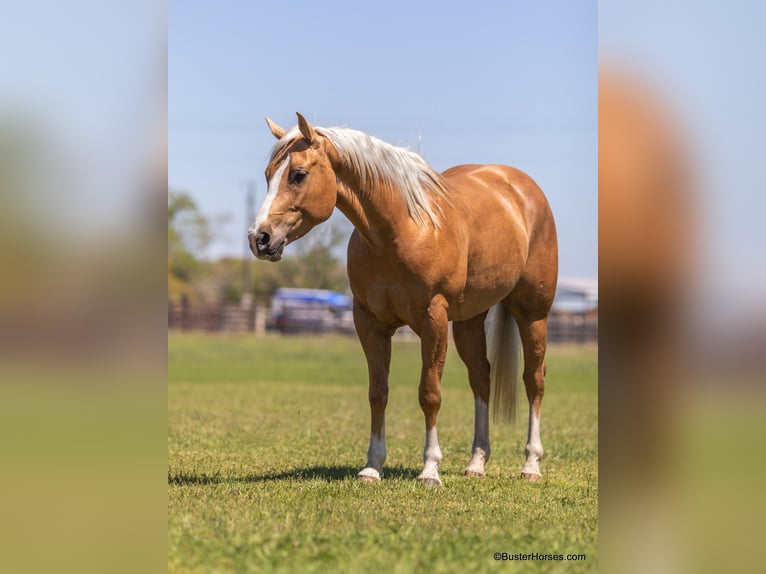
{"x": 265, "y": 436}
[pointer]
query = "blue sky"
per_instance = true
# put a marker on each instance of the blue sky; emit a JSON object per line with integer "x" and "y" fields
{"x": 85, "y": 78}
{"x": 481, "y": 82}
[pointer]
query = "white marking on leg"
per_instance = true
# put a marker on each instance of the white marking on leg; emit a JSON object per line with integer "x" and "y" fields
{"x": 534, "y": 448}
{"x": 480, "y": 447}
{"x": 274, "y": 183}
{"x": 432, "y": 455}
{"x": 376, "y": 456}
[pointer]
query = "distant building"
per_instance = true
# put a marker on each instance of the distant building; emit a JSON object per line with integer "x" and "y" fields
{"x": 577, "y": 296}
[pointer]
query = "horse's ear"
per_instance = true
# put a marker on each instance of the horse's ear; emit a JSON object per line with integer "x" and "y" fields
{"x": 275, "y": 129}
{"x": 308, "y": 132}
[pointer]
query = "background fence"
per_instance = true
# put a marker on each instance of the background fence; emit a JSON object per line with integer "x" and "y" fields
{"x": 573, "y": 327}
{"x": 562, "y": 326}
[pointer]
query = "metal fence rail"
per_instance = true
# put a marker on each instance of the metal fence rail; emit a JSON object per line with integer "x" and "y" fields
{"x": 572, "y": 328}
{"x": 212, "y": 318}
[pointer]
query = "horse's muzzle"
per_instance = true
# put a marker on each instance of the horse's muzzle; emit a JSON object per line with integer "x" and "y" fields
{"x": 264, "y": 246}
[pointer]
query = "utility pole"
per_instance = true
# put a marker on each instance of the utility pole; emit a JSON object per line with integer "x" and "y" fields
{"x": 247, "y": 280}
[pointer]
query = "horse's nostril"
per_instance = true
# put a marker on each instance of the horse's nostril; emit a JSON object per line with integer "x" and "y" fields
{"x": 262, "y": 239}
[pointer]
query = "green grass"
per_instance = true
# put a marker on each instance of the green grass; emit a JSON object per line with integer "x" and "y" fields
{"x": 266, "y": 434}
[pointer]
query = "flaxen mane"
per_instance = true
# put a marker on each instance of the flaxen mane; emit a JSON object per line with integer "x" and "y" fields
{"x": 381, "y": 164}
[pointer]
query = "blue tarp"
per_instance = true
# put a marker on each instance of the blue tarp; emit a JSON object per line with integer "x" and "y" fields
{"x": 332, "y": 298}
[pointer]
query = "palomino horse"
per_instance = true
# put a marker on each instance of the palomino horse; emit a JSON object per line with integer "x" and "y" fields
{"x": 477, "y": 240}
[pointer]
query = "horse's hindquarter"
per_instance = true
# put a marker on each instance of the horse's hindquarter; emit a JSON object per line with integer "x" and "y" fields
{"x": 510, "y": 235}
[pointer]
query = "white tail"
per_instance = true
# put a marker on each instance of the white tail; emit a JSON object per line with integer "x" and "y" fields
{"x": 503, "y": 352}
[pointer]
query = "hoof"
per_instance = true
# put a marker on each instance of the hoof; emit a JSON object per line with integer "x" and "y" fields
{"x": 530, "y": 477}
{"x": 369, "y": 475}
{"x": 430, "y": 482}
{"x": 367, "y": 479}
{"x": 475, "y": 473}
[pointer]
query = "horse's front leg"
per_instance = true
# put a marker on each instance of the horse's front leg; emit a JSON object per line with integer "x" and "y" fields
{"x": 376, "y": 343}
{"x": 433, "y": 331}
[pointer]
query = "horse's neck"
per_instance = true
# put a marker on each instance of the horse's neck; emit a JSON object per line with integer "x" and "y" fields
{"x": 379, "y": 215}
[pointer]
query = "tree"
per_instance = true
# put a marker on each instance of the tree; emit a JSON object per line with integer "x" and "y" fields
{"x": 188, "y": 235}
{"x": 310, "y": 263}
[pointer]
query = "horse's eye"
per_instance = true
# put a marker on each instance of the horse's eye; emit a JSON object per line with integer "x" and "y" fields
{"x": 297, "y": 176}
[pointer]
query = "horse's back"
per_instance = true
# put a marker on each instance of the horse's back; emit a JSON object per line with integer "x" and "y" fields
{"x": 491, "y": 183}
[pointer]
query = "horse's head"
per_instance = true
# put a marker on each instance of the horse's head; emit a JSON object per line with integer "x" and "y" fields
{"x": 302, "y": 190}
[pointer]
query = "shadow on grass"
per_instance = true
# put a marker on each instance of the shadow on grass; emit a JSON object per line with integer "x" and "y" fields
{"x": 325, "y": 473}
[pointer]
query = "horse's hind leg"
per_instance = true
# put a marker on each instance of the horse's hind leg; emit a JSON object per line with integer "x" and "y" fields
{"x": 533, "y": 331}
{"x": 471, "y": 345}
{"x": 376, "y": 343}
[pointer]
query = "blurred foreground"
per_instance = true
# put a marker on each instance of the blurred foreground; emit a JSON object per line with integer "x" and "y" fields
{"x": 82, "y": 296}
{"x": 683, "y": 321}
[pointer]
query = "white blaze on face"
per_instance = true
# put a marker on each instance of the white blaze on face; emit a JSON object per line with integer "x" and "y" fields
{"x": 273, "y": 190}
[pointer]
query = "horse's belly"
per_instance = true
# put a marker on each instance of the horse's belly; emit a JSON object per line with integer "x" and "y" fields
{"x": 487, "y": 281}
{"x": 474, "y": 301}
